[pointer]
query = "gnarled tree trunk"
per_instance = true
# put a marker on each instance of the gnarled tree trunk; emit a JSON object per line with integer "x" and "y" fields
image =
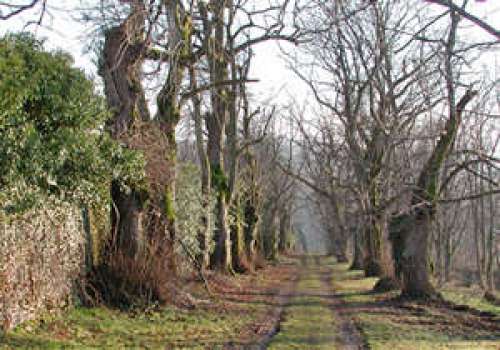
{"x": 122, "y": 57}
{"x": 410, "y": 232}
{"x": 145, "y": 217}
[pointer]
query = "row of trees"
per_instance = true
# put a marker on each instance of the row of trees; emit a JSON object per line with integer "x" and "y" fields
{"x": 203, "y": 51}
{"x": 381, "y": 75}
{"x": 390, "y": 147}
{"x": 164, "y": 65}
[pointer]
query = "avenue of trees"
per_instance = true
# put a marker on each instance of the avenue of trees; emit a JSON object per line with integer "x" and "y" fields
{"x": 402, "y": 131}
{"x": 398, "y": 143}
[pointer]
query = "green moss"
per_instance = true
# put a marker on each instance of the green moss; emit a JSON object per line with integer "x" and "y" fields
{"x": 168, "y": 109}
{"x": 186, "y": 32}
{"x": 169, "y": 204}
{"x": 220, "y": 181}
{"x": 429, "y": 177}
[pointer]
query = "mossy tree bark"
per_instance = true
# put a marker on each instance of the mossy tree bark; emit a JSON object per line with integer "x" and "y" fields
{"x": 216, "y": 121}
{"x": 239, "y": 263}
{"x": 161, "y": 168}
{"x": 220, "y": 258}
{"x": 206, "y": 185}
{"x": 236, "y": 91}
{"x": 270, "y": 230}
{"x": 146, "y": 214}
{"x": 251, "y": 207}
{"x": 251, "y": 189}
{"x": 410, "y": 232}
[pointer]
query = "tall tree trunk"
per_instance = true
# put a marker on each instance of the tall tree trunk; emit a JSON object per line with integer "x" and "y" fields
{"x": 142, "y": 216}
{"x": 251, "y": 193}
{"x": 482, "y": 227}
{"x": 491, "y": 244}
{"x": 410, "y": 232}
{"x": 410, "y": 239}
{"x": 340, "y": 236}
{"x": 238, "y": 251}
{"x": 357, "y": 260}
{"x": 477, "y": 237}
{"x": 216, "y": 123}
{"x": 374, "y": 263}
{"x": 162, "y": 227}
{"x": 206, "y": 186}
{"x": 285, "y": 229}
{"x": 221, "y": 256}
{"x": 270, "y": 231}
{"x": 120, "y": 66}
{"x": 438, "y": 246}
{"x": 448, "y": 257}
{"x": 251, "y": 208}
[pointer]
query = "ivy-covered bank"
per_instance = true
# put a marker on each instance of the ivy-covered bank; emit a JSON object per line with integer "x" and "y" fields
{"x": 56, "y": 163}
{"x": 42, "y": 259}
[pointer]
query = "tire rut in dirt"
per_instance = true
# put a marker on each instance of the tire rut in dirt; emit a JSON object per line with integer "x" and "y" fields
{"x": 349, "y": 335}
{"x": 283, "y": 297}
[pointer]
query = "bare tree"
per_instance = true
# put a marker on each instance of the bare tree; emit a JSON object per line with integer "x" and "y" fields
{"x": 462, "y": 12}
{"x": 10, "y": 9}
{"x": 228, "y": 31}
{"x": 373, "y": 97}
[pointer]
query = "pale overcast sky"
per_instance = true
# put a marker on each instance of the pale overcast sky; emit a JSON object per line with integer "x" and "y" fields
{"x": 68, "y": 34}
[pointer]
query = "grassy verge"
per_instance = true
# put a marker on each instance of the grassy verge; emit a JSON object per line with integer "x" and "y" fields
{"x": 472, "y": 297}
{"x": 389, "y": 325}
{"x": 241, "y": 302}
{"x": 103, "y": 328}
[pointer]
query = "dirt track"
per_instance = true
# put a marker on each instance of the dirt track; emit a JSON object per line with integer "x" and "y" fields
{"x": 307, "y": 315}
